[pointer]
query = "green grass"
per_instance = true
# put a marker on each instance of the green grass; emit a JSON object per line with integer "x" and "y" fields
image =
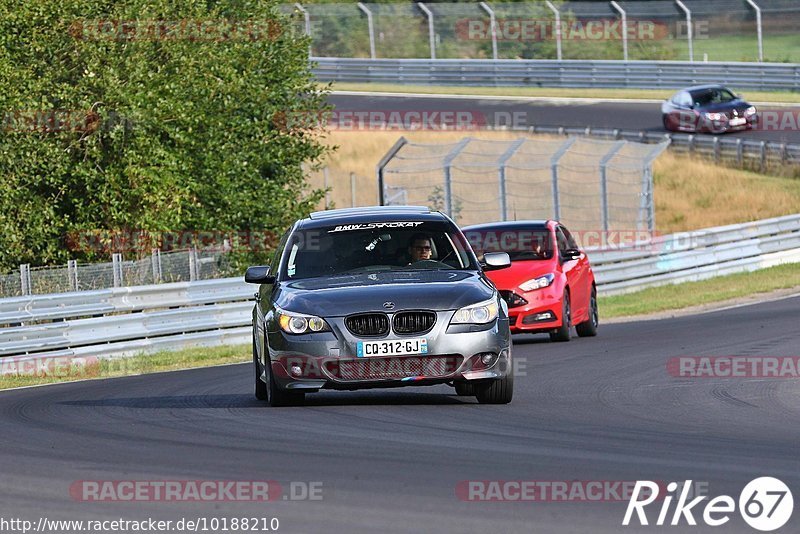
{"x": 64, "y": 370}
{"x": 675, "y": 297}
{"x": 777, "y": 48}
{"x": 656, "y": 94}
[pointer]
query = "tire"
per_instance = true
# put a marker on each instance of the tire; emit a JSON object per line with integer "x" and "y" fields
{"x": 563, "y": 333}
{"x": 588, "y": 328}
{"x": 261, "y": 387}
{"x": 272, "y": 393}
{"x": 665, "y": 122}
{"x": 464, "y": 389}
{"x": 499, "y": 391}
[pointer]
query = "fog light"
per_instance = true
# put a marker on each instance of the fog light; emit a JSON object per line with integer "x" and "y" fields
{"x": 296, "y": 370}
{"x": 539, "y": 317}
{"x": 488, "y": 359}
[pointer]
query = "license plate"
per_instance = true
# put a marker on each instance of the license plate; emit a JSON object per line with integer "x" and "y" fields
{"x": 737, "y": 121}
{"x": 394, "y": 347}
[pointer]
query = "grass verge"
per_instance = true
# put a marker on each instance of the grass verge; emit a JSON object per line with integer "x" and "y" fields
{"x": 654, "y": 94}
{"x": 721, "y": 288}
{"x": 16, "y": 374}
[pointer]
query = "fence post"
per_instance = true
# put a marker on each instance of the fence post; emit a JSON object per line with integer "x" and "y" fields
{"x": 431, "y": 30}
{"x": 307, "y": 20}
{"x": 25, "y": 278}
{"x": 192, "y": 264}
{"x": 624, "y": 17}
{"x": 493, "y": 26}
{"x": 689, "y": 29}
{"x": 353, "y": 189}
{"x": 604, "y": 182}
{"x": 448, "y": 182}
{"x": 155, "y": 260}
{"x": 555, "y": 11}
{"x": 72, "y": 274}
{"x": 379, "y": 169}
{"x": 502, "y": 175}
{"x": 371, "y": 28}
{"x": 554, "y": 175}
{"x": 325, "y": 179}
{"x": 116, "y": 268}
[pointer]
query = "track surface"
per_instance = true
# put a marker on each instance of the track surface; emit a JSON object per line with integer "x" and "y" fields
{"x": 622, "y": 115}
{"x": 591, "y": 409}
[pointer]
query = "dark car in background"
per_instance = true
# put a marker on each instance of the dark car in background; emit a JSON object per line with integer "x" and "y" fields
{"x": 707, "y": 109}
{"x": 379, "y": 297}
{"x": 550, "y": 286}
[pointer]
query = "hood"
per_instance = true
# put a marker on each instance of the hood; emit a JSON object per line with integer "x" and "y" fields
{"x": 344, "y": 295}
{"x": 737, "y": 104}
{"x": 521, "y": 271}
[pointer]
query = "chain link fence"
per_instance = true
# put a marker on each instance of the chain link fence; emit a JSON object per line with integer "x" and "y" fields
{"x": 160, "y": 267}
{"x": 687, "y": 30}
{"x": 588, "y": 184}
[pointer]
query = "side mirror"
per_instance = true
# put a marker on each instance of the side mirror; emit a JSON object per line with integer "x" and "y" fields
{"x": 495, "y": 260}
{"x": 259, "y": 274}
{"x": 571, "y": 254}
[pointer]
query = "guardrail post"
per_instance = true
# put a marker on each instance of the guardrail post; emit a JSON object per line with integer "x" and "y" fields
{"x": 116, "y": 268}
{"x": 431, "y": 29}
{"x": 690, "y": 143}
{"x": 371, "y": 28}
{"x": 554, "y": 175}
{"x": 739, "y": 152}
{"x": 502, "y": 175}
{"x": 758, "y": 29}
{"x": 194, "y": 267}
{"x": 716, "y": 149}
{"x": 763, "y": 156}
{"x": 25, "y": 278}
{"x": 689, "y": 29}
{"x": 307, "y": 19}
{"x": 379, "y": 169}
{"x": 72, "y": 274}
{"x": 448, "y": 181}
{"x": 604, "y": 182}
{"x": 353, "y": 189}
{"x": 624, "y": 17}
{"x": 493, "y": 26}
{"x": 155, "y": 260}
{"x": 557, "y": 14}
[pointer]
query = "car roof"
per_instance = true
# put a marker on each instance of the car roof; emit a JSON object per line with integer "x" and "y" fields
{"x": 500, "y": 225}
{"x": 370, "y": 214}
{"x": 696, "y": 88}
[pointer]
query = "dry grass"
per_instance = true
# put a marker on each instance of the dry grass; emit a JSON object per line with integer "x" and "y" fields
{"x": 690, "y": 193}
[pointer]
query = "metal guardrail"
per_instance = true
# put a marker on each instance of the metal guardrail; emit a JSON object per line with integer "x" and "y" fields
{"x": 555, "y": 73}
{"x": 125, "y": 321}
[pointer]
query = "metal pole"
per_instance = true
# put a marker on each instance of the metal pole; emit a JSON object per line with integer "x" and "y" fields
{"x": 604, "y": 181}
{"x": 493, "y": 25}
{"x": 325, "y": 178}
{"x": 448, "y": 182}
{"x": 25, "y": 278}
{"x": 431, "y": 32}
{"x": 502, "y": 162}
{"x": 624, "y": 29}
{"x": 689, "y": 30}
{"x": 72, "y": 273}
{"x": 155, "y": 260}
{"x": 116, "y": 268}
{"x": 555, "y": 11}
{"x": 307, "y": 19}
{"x": 554, "y": 169}
{"x": 758, "y": 28}
{"x": 371, "y": 27}
{"x": 353, "y": 189}
{"x": 379, "y": 169}
{"x": 192, "y": 264}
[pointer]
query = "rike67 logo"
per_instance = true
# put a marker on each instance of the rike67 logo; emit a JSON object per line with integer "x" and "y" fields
{"x": 765, "y": 504}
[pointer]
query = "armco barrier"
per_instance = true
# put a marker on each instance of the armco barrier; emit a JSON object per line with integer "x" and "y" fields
{"x": 554, "y": 73}
{"x": 125, "y": 321}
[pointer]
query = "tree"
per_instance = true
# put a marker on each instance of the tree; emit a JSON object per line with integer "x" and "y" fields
{"x": 150, "y": 115}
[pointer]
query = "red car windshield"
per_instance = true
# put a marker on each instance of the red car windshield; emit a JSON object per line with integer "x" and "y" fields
{"x": 520, "y": 243}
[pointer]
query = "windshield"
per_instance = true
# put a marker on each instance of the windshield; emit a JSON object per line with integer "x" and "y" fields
{"x": 712, "y": 96}
{"x": 375, "y": 247}
{"x": 523, "y": 243}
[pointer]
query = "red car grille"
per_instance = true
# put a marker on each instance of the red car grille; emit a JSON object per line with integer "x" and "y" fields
{"x": 393, "y": 368}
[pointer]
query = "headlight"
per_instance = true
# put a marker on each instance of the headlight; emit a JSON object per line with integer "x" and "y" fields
{"x": 296, "y": 323}
{"x": 713, "y": 116}
{"x": 750, "y": 111}
{"x": 480, "y": 313}
{"x": 538, "y": 283}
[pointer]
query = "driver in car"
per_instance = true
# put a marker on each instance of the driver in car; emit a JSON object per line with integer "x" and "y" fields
{"x": 419, "y": 248}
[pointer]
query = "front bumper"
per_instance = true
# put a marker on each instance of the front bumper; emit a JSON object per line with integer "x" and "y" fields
{"x": 328, "y": 360}
{"x": 542, "y": 313}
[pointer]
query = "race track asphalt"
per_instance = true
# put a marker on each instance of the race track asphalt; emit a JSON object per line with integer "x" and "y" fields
{"x": 635, "y": 116}
{"x": 593, "y": 409}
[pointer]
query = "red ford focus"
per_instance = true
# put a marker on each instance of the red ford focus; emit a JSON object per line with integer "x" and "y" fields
{"x": 550, "y": 286}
